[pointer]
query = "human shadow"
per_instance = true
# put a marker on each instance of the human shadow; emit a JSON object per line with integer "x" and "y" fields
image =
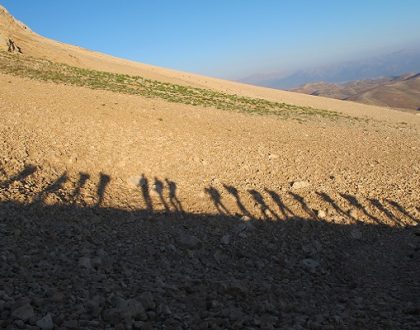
{"x": 326, "y": 198}
{"x": 398, "y": 207}
{"x": 309, "y": 211}
{"x": 158, "y": 186}
{"x": 216, "y": 198}
{"x": 354, "y": 202}
{"x": 284, "y": 210}
{"x": 235, "y": 193}
{"x": 375, "y": 202}
{"x": 22, "y": 175}
{"x": 52, "y": 188}
{"x": 173, "y": 199}
{"x": 262, "y": 205}
{"x": 76, "y": 195}
{"x": 144, "y": 187}
{"x": 104, "y": 180}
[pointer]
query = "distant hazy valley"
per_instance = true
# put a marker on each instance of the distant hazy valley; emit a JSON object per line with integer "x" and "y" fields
{"x": 401, "y": 92}
{"x": 390, "y": 79}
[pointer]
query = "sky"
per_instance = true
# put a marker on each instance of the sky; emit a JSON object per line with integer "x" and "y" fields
{"x": 227, "y": 38}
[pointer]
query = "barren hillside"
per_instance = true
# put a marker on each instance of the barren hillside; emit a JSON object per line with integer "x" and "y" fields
{"x": 138, "y": 197}
{"x": 402, "y": 93}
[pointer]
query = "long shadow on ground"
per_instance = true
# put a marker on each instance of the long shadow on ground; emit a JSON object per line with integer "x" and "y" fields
{"x": 90, "y": 267}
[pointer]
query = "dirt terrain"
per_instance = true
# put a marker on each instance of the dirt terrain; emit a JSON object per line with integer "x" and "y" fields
{"x": 132, "y": 204}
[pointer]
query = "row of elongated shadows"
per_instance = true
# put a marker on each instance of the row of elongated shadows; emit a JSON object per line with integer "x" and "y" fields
{"x": 166, "y": 190}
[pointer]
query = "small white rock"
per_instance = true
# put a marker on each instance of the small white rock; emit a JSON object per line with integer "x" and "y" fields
{"x": 245, "y": 218}
{"x": 310, "y": 264}
{"x": 356, "y": 234}
{"x": 134, "y": 181}
{"x": 321, "y": 214}
{"x": 46, "y": 322}
{"x": 189, "y": 242}
{"x": 300, "y": 184}
{"x": 225, "y": 239}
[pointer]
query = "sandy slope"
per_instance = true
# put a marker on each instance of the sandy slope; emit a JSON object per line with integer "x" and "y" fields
{"x": 35, "y": 45}
{"x": 92, "y": 131}
{"x": 87, "y": 174}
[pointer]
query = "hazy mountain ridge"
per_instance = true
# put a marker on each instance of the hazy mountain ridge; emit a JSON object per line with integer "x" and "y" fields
{"x": 387, "y": 65}
{"x": 397, "y": 92}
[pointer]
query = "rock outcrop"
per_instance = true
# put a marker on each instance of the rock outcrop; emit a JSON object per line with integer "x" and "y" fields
{"x": 12, "y": 47}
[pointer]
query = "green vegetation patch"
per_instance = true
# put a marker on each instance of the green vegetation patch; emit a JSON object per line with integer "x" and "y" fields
{"x": 40, "y": 69}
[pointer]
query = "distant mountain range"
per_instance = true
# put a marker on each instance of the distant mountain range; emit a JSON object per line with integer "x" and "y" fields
{"x": 387, "y": 65}
{"x": 402, "y": 92}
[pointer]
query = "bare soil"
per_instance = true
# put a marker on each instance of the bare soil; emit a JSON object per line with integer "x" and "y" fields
{"x": 220, "y": 219}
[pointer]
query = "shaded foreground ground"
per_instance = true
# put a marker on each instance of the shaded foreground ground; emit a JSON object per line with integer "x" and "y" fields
{"x": 79, "y": 264}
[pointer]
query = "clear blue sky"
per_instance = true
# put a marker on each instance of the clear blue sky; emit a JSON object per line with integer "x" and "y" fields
{"x": 226, "y": 38}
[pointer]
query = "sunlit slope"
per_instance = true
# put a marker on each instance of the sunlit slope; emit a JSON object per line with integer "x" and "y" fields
{"x": 38, "y": 46}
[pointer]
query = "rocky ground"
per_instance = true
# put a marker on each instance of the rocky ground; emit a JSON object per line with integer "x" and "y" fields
{"x": 118, "y": 211}
{"x": 66, "y": 267}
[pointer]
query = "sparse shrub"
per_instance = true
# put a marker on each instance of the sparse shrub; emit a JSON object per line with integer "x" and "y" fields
{"x": 46, "y": 70}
